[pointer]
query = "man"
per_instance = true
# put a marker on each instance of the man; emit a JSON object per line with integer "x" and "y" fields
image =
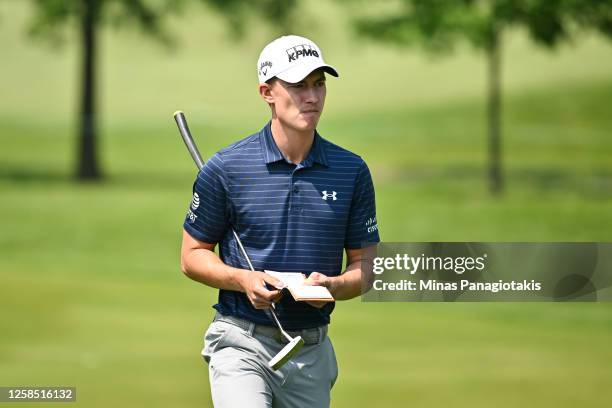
{"x": 297, "y": 202}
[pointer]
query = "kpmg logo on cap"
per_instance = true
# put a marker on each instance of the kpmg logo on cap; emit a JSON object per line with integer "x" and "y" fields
{"x": 303, "y": 50}
{"x": 267, "y": 65}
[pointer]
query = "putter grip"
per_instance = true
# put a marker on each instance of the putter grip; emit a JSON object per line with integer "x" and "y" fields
{"x": 181, "y": 122}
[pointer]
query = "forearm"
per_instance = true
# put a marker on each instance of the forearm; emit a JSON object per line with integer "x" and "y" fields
{"x": 348, "y": 285}
{"x": 205, "y": 266}
{"x": 357, "y": 278}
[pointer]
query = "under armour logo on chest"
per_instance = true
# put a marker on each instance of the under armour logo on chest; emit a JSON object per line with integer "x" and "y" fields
{"x": 331, "y": 195}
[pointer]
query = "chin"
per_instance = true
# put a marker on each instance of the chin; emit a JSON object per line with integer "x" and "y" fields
{"x": 307, "y": 124}
{"x": 301, "y": 124}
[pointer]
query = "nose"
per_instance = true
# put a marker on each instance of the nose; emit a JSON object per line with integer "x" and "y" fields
{"x": 311, "y": 95}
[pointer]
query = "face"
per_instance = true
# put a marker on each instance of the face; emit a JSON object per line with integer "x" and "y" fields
{"x": 297, "y": 105}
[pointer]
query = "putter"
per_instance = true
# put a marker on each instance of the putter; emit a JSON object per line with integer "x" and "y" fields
{"x": 294, "y": 343}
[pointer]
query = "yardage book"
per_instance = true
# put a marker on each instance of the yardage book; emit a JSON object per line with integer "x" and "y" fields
{"x": 294, "y": 281}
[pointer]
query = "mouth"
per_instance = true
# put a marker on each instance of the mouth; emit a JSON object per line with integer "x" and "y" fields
{"x": 310, "y": 111}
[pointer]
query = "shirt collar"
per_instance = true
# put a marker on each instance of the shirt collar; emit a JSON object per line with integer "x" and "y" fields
{"x": 271, "y": 152}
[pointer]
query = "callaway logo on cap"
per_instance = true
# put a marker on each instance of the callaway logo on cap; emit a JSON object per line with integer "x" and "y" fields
{"x": 291, "y": 58}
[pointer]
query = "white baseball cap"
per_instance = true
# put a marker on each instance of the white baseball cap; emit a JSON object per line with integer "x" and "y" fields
{"x": 291, "y": 58}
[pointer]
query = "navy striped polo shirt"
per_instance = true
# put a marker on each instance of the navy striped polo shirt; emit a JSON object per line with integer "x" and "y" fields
{"x": 290, "y": 218}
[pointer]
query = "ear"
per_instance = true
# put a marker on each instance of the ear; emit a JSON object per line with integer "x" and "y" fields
{"x": 266, "y": 93}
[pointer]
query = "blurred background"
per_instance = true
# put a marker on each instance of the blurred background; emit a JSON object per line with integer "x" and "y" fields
{"x": 480, "y": 121}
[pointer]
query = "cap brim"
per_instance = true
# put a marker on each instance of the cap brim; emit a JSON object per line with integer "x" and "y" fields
{"x": 299, "y": 72}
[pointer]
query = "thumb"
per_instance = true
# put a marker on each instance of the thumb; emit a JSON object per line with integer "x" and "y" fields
{"x": 273, "y": 281}
{"x": 314, "y": 278}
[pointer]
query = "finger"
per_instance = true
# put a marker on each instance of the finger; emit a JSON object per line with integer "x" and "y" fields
{"x": 271, "y": 295}
{"x": 316, "y": 275}
{"x": 273, "y": 281}
{"x": 259, "y": 302}
{"x": 316, "y": 278}
{"x": 263, "y": 294}
{"x": 311, "y": 282}
{"x": 279, "y": 297}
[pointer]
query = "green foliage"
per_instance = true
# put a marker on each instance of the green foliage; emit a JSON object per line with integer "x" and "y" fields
{"x": 274, "y": 12}
{"x": 89, "y": 15}
{"x": 439, "y": 24}
{"x": 148, "y": 15}
{"x": 52, "y": 15}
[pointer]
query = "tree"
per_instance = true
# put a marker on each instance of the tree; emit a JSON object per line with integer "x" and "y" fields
{"x": 439, "y": 24}
{"x": 90, "y": 15}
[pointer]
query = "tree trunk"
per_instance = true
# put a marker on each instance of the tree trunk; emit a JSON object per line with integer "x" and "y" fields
{"x": 87, "y": 155}
{"x": 494, "y": 112}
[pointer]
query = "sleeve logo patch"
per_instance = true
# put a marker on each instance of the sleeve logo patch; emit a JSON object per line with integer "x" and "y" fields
{"x": 195, "y": 202}
{"x": 371, "y": 224}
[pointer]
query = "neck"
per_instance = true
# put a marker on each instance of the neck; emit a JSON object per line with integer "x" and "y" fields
{"x": 293, "y": 144}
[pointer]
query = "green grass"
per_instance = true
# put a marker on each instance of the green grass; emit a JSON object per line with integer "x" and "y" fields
{"x": 91, "y": 292}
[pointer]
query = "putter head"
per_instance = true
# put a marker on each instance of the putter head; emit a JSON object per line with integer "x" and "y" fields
{"x": 286, "y": 353}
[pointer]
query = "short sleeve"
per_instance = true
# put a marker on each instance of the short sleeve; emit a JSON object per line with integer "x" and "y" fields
{"x": 362, "y": 228}
{"x": 207, "y": 218}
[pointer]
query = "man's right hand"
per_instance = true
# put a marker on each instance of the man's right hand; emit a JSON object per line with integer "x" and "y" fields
{"x": 254, "y": 285}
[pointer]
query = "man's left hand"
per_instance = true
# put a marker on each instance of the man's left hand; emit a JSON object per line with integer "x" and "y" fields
{"x": 319, "y": 279}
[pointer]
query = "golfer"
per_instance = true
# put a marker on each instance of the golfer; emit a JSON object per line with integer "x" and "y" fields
{"x": 297, "y": 202}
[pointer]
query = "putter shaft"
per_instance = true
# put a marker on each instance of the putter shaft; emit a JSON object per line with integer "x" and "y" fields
{"x": 181, "y": 122}
{"x": 273, "y": 308}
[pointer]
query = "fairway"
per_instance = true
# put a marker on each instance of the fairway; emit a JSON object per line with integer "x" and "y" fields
{"x": 92, "y": 295}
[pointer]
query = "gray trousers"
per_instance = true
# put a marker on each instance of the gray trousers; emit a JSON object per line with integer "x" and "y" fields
{"x": 240, "y": 377}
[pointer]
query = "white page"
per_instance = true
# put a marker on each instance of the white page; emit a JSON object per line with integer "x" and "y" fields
{"x": 311, "y": 292}
{"x": 290, "y": 279}
{"x": 295, "y": 282}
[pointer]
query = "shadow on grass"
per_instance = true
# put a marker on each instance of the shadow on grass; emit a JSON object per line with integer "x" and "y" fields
{"x": 21, "y": 176}
{"x": 18, "y": 175}
{"x": 596, "y": 184}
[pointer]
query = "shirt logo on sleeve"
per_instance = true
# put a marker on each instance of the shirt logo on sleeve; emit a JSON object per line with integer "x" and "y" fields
{"x": 195, "y": 202}
{"x": 327, "y": 195}
{"x": 371, "y": 225}
{"x": 191, "y": 216}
